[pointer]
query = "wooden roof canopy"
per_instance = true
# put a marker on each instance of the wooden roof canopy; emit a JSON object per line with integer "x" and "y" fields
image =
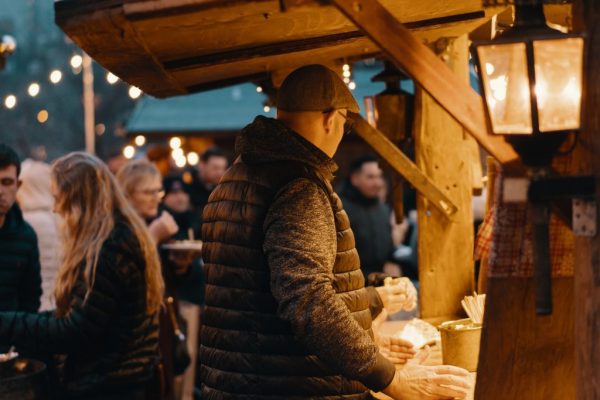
{"x": 175, "y": 47}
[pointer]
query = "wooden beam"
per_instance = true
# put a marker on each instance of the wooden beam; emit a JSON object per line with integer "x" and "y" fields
{"x": 403, "y": 165}
{"x": 454, "y": 95}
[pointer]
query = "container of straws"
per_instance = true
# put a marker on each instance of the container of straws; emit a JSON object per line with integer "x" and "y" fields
{"x": 461, "y": 338}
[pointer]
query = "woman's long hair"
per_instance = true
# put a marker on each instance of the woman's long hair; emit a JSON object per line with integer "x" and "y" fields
{"x": 88, "y": 197}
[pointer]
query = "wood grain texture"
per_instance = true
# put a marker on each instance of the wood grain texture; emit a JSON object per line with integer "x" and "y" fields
{"x": 524, "y": 356}
{"x": 587, "y": 250}
{"x": 445, "y": 248}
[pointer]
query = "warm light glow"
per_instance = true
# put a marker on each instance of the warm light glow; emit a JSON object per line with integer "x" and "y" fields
{"x": 180, "y": 161}
{"x": 112, "y": 78}
{"x": 76, "y": 61}
{"x": 140, "y": 140}
{"x": 129, "y": 152}
{"x": 559, "y": 74}
{"x": 259, "y": 89}
{"x": 498, "y": 86}
{"x": 175, "y": 143}
{"x": 346, "y": 80}
{"x": 505, "y": 82}
{"x": 266, "y": 109}
{"x": 346, "y": 74}
{"x": 33, "y": 89}
{"x": 352, "y": 85}
{"x": 193, "y": 158}
{"x": 42, "y": 116}
{"x": 55, "y": 76}
{"x": 177, "y": 153}
{"x": 346, "y": 67}
{"x": 10, "y": 101}
{"x": 134, "y": 92}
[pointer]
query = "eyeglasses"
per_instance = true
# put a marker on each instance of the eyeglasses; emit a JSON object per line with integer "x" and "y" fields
{"x": 153, "y": 192}
{"x": 348, "y": 125}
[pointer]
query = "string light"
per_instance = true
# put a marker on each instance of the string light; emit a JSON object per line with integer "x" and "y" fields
{"x": 134, "y": 92}
{"x": 177, "y": 153}
{"x": 42, "y": 116}
{"x": 266, "y": 109}
{"x": 175, "y": 143}
{"x": 193, "y": 158}
{"x": 76, "y": 61}
{"x": 259, "y": 89}
{"x": 352, "y": 85}
{"x": 129, "y": 152}
{"x": 140, "y": 140}
{"x": 180, "y": 161}
{"x": 33, "y": 89}
{"x": 112, "y": 78}
{"x": 55, "y": 76}
{"x": 10, "y": 101}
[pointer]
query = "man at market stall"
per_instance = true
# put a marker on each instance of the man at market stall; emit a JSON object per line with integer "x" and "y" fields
{"x": 20, "y": 276}
{"x": 287, "y": 314}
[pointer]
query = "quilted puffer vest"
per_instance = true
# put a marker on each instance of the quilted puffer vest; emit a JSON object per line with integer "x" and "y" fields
{"x": 246, "y": 350}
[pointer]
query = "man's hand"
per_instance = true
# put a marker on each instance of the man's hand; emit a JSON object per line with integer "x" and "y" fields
{"x": 397, "y": 350}
{"x": 163, "y": 227}
{"x": 398, "y": 294}
{"x": 418, "y": 382}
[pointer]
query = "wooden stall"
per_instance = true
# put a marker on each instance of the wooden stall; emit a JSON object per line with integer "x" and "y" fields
{"x": 176, "y": 47}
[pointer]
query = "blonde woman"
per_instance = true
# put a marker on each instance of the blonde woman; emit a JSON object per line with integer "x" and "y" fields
{"x": 108, "y": 290}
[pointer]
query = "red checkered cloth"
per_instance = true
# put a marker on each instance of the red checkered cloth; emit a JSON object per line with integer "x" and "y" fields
{"x": 483, "y": 241}
{"x": 510, "y": 247}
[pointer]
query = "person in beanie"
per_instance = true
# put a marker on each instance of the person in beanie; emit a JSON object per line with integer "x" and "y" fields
{"x": 286, "y": 311}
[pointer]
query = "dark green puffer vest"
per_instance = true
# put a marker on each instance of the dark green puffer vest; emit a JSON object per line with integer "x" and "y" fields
{"x": 247, "y": 351}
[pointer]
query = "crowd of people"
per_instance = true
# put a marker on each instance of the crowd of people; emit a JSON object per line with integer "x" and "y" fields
{"x": 275, "y": 306}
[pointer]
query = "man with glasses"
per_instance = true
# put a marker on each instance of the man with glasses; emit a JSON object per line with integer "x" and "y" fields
{"x": 20, "y": 277}
{"x": 287, "y": 314}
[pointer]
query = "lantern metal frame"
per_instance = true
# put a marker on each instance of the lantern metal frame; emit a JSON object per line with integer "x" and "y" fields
{"x": 536, "y": 148}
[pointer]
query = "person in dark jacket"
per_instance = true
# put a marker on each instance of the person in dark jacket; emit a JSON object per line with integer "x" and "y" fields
{"x": 369, "y": 216}
{"x": 286, "y": 311}
{"x": 20, "y": 276}
{"x": 212, "y": 166}
{"x": 109, "y": 287}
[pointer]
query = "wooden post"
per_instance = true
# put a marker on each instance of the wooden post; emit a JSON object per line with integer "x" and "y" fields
{"x": 587, "y": 250}
{"x": 445, "y": 249}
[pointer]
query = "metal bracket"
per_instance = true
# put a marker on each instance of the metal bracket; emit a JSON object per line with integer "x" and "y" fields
{"x": 584, "y": 217}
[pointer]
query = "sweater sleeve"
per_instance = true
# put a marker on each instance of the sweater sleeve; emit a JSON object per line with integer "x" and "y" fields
{"x": 300, "y": 245}
{"x": 84, "y": 324}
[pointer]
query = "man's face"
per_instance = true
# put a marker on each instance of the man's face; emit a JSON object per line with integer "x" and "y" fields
{"x": 9, "y": 184}
{"x": 368, "y": 180}
{"x": 213, "y": 170}
{"x": 177, "y": 200}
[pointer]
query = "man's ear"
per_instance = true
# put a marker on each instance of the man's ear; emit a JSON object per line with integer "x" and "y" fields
{"x": 329, "y": 120}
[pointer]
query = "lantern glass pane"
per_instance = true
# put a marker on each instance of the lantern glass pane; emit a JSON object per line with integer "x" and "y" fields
{"x": 558, "y": 82}
{"x": 506, "y": 87}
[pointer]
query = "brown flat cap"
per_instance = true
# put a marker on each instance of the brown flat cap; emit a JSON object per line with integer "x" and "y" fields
{"x": 315, "y": 88}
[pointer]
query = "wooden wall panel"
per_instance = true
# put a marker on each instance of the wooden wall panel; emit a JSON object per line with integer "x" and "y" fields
{"x": 524, "y": 356}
